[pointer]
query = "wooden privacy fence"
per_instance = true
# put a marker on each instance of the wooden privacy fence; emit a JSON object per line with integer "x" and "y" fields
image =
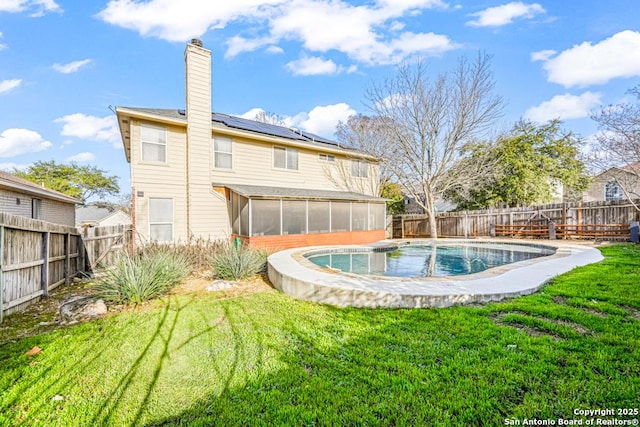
{"x": 37, "y": 256}
{"x": 102, "y": 244}
{"x": 479, "y": 223}
{"x": 552, "y": 230}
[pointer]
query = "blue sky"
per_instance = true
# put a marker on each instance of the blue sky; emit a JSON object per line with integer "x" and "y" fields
{"x": 63, "y": 63}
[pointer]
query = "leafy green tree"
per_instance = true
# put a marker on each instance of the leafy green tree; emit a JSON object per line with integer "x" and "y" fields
{"x": 82, "y": 182}
{"x": 393, "y": 192}
{"x": 528, "y": 163}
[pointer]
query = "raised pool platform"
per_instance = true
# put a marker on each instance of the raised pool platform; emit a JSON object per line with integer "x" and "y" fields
{"x": 290, "y": 272}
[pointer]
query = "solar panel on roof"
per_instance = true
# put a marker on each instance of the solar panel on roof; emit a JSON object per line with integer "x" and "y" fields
{"x": 268, "y": 129}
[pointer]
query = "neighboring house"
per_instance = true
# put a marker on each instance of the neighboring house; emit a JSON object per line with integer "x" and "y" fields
{"x": 412, "y": 207}
{"x": 95, "y": 216}
{"x": 198, "y": 174}
{"x": 25, "y": 198}
{"x": 612, "y": 184}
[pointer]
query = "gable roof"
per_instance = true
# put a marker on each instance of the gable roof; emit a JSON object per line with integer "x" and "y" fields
{"x": 228, "y": 123}
{"x": 90, "y": 214}
{"x": 21, "y": 185}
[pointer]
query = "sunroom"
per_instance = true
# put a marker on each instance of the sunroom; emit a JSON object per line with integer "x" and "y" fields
{"x": 280, "y": 217}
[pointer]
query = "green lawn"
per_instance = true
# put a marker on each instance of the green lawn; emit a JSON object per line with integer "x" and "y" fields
{"x": 266, "y": 359}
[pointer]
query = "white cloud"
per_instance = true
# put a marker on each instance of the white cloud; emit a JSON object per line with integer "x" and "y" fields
{"x": 505, "y": 14}
{"x": 7, "y": 85}
{"x": 542, "y": 55}
{"x": 36, "y": 8}
{"x": 2, "y": 45}
{"x": 101, "y": 129}
{"x": 71, "y": 67}
{"x": 15, "y": 141}
{"x": 81, "y": 157}
{"x": 10, "y": 166}
{"x": 310, "y": 66}
{"x": 275, "y": 49}
{"x": 319, "y": 26}
{"x": 321, "y": 120}
{"x": 564, "y": 107}
{"x": 589, "y": 64}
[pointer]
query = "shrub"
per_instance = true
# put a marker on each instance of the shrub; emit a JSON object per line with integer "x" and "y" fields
{"x": 231, "y": 262}
{"x": 143, "y": 275}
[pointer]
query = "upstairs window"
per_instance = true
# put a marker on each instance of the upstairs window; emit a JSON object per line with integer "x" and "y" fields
{"x": 360, "y": 168}
{"x": 285, "y": 158}
{"x": 327, "y": 157}
{"x": 154, "y": 144}
{"x": 222, "y": 153}
{"x": 613, "y": 191}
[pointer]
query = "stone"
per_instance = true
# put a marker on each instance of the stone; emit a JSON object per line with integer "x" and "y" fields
{"x": 57, "y": 398}
{"x": 221, "y": 285}
{"x": 76, "y": 307}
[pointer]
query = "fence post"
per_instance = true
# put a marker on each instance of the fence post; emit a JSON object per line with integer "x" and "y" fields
{"x": 44, "y": 276}
{"x": 635, "y": 232}
{"x": 552, "y": 230}
{"x": 492, "y": 229}
{"x": 67, "y": 258}
{"x": 1, "y": 273}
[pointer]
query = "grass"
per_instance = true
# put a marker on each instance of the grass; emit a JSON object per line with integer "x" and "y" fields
{"x": 266, "y": 359}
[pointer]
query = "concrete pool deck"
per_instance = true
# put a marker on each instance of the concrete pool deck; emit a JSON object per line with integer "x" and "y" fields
{"x": 290, "y": 272}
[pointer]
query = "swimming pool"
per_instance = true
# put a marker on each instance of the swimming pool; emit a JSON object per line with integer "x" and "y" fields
{"x": 292, "y": 272}
{"x": 428, "y": 260}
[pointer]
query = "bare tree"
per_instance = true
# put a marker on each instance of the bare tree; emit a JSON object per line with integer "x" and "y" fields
{"x": 431, "y": 121}
{"x": 269, "y": 118}
{"x": 367, "y": 135}
{"x": 617, "y": 146}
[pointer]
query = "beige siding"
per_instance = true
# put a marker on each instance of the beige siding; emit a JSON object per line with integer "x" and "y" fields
{"x": 206, "y": 212}
{"x": 165, "y": 180}
{"x": 253, "y": 165}
{"x": 596, "y": 190}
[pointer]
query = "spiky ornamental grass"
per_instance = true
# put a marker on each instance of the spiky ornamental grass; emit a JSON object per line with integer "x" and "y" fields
{"x": 143, "y": 275}
{"x": 231, "y": 262}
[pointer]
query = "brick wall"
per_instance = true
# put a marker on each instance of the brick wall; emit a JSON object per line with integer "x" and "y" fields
{"x": 300, "y": 240}
{"x": 15, "y": 203}
{"x": 53, "y": 211}
{"x": 58, "y": 212}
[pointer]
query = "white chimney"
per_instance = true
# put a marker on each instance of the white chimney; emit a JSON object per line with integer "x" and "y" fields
{"x": 198, "y": 112}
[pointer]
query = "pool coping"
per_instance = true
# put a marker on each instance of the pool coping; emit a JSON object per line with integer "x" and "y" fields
{"x": 294, "y": 275}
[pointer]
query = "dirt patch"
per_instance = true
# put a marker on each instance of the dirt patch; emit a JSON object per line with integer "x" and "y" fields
{"x": 498, "y": 319}
{"x": 633, "y": 312}
{"x": 560, "y": 300}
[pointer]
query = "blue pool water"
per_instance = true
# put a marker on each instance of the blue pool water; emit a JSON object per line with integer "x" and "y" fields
{"x": 429, "y": 261}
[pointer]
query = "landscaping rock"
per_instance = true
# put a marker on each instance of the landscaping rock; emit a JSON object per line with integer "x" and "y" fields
{"x": 76, "y": 307}
{"x": 221, "y": 285}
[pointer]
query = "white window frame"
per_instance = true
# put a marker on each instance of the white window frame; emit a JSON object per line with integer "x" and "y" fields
{"x": 326, "y": 157}
{"x": 172, "y": 223}
{"x": 36, "y": 208}
{"x": 143, "y": 142}
{"x": 361, "y": 169}
{"x": 286, "y": 158}
{"x": 213, "y": 149}
{"x": 619, "y": 195}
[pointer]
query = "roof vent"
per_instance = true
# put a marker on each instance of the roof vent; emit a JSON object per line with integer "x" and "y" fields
{"x": 196, "y": 42}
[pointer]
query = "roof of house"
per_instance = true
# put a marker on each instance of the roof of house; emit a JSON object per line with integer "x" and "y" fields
{"x": 258, "y": 191}
{"x": 225, "y": 121}
{"x": 21, "y": 185}
{"x": 91, "y": 213}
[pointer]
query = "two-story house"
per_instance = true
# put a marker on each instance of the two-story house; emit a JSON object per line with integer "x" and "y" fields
{"x": 198, "y": 174}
